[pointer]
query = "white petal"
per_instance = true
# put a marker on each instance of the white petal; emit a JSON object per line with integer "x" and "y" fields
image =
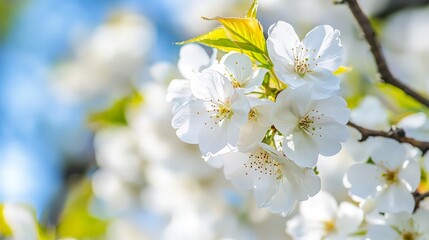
{"x": 193, "y": 59}
{"x": 263, "y": 196}
{"x": 304, "y": 182}
{"x": 410, "y": 174}
{"x": 322, "y": 207}
{"x": 364, "y": 187}
{"x": 324, "y": 82}
{"x": 215, "y": 138}
{"x": 395, "y": 198}
{"x": 283, "y": 199}
{"x": 334, "y": 106}
{"x": 179, "y": 93}
{"x": 328, "y": 136}
{"x": 378, "y": 232}
{"x": 389, "y": 154}
{"x": 301, "y": 149}
{"x": 241, "y": 178}
{"x": 239, "y": 66}
{"x": 211, "y": 85}
{"x": 325, "y": 40}
{"x": 251, "y": 133}
{"x": 189, "y": 120}
{"x": 349, "y": 217}
{"x": 421, "y": 216}
{"x": 281, "y": 39}
{"x": 240, "y": 108}
{"x": 256, "y": 80}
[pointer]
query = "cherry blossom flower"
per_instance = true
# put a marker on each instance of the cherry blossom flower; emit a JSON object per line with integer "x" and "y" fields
{"x": 277, "y": 182}
{"x": 400, "y": 226}
{"x": 391, "y": 178}
{"x": 310, "y": 127}
{"x": 321, "y": 218}
{"x": 311, "y": 60}
{"x": 213, "y": 119}
{"x": 258, "y": 123}
{"x": 239, "y": 68}
{"x": 193, "y": 59}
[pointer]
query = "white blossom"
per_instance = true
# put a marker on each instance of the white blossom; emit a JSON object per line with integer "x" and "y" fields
{"x": 321, "y": 218}
{"x": 391, "y": 178}
{"x": 311, "y": 60}
{"x": 310, "y": 127}
{"x": 401, "y": 226}
{"x": 213, "y": 119}
{"x": 193, "y": 59}
{"x": 239, "y": 68}
{"x": 277, "y": 182}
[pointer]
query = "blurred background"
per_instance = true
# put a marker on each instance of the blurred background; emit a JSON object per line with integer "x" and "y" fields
{"x": 85, "y": 136}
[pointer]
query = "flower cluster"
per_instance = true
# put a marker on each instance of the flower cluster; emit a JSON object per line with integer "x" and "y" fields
{"x": 267, "y": 126}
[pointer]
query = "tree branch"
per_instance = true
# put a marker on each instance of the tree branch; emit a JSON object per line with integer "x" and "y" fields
{"x": 383, "y": 69}
{"x": 397, "y": 134}
{"x": 418, "y": 197}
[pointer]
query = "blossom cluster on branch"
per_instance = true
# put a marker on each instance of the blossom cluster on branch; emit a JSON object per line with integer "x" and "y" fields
{"x": 269, "y": 110}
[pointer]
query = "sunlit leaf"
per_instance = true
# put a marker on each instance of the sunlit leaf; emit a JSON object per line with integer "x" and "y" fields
{"x": 76, "y": 220}
{"x": 342, "y": 70}
{"x": 253, "y": 10}
{"x": 396, "y": 97}
{"x": 243, "y": 35}
{"x": 115, "y": 114}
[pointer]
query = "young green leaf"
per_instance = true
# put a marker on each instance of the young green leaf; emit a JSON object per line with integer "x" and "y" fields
{"x": 253, "y": 10}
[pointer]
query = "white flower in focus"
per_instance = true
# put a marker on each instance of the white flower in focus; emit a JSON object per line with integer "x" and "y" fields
{"x": 239, "y": 68}
{"x": 193, "y": 59}
{"x": 321, "y": 218}
{"x": 258, "y": 123}
{"x": 213, "y": 119}
{"x": 277, "y": 182}
{"x": 310, "y": 127}
{"x": 390, "y": 180}
{"x": 401, "y": 226}
{"x": 311, "y": 60}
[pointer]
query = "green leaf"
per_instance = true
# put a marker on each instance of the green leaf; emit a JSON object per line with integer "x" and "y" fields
{"x": 397, "y": 97}
{"x": 243, "y": 35}
{"x": 253, "y": 10}
{"x": 115, "y": 114}
{"x": 76, "y": 220}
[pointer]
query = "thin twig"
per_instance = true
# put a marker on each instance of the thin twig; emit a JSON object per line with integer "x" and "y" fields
{"x": 418, "y": 197}
{"x": 397, "y": 134}
{"x": 383, "y": 69}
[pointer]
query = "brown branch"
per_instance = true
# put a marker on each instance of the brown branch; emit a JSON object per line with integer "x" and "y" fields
{"x": 397, "y": 134}
{"x": 382, "y": 68}
{"x": 418, "y": 197}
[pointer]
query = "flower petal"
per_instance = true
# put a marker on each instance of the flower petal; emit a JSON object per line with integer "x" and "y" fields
{"x": 301, "y": 149}
{"x": 410, "y": 174}
{"x": 329, "y": 51}
{"x": 192, "y": 59}
{"x": 239, "y": 66}
{"x": 395, "y": 198}
{"x": 364, "y": 187}
{"x": 189, "y": 120}
{"x": 389, "y": 154}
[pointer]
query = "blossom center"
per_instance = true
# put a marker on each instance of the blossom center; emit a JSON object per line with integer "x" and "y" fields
{"x": 300, "y": 67}
{"x": 409, "y": 236}
{"x": 305, "y": 124}
{"x": 223, "y": 112}
{"x": 261, "y": 162}
{"x": 390, "y": 176}
{"x": 329, "y": 226}
{"x": 253, "y": 114}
